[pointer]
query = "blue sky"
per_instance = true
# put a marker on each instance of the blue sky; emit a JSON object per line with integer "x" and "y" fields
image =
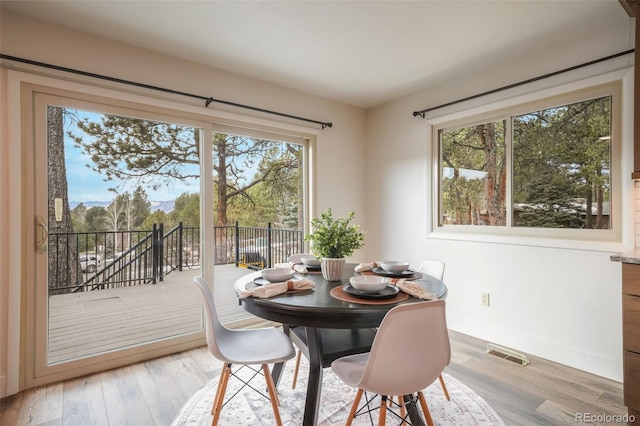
{"x": 85, "y": 184}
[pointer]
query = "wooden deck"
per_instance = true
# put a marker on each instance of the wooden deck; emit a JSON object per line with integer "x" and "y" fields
{"x": 82, "y": 324}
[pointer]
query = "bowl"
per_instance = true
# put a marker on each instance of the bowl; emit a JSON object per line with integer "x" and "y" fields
{"x": 276, "y": 275}
{"x": 310, "y": 261}
{"x": 369, "y": 283}
{"x": 394, "y": 266}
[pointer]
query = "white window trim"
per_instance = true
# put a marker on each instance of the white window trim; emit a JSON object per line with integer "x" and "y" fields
{"x": 620, "y": 238}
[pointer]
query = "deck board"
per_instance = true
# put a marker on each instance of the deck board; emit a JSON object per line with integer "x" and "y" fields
{"x": 82, "y": 324}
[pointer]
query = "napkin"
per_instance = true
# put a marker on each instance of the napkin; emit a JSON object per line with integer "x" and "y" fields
{"x": 301, "y": 269}
{"x": 274, "y": 289}
{"x": 414, "y": 289}
{"x": 365, "y": 267}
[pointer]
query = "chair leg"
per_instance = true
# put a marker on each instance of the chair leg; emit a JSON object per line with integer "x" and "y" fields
{"x": 444, "y": 387}
{"x": 222, "y": 389}
{"x": 383, "y": 411}
{"x": 220, "y": 380}
{"x": 354, "y": 407}
{"x": 295, "y": 372}
{"x": 272, "y": 393}
{"x": 425, "y": 409}
{"x": 403, "y": 411}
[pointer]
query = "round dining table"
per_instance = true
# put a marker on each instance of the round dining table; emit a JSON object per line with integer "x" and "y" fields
{"x": 321, "y": 308}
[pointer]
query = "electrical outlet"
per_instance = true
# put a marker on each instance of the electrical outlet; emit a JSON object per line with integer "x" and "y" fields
{"x": 484, "y": 299}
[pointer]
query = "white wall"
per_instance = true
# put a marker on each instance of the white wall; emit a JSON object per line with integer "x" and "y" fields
{"x": 339, "y": 164}
{"x": 553, "y": 299}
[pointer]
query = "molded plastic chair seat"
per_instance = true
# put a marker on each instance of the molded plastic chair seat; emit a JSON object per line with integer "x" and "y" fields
{"x": 410, "y": 351}
{"x": 260, "y": 346}
{"x": 242, "y": 347}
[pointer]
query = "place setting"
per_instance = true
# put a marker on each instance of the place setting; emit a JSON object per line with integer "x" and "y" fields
{"x": 382, "y": 282}
{"x": 389, "y": 268}
{"x": 302, "y": 263}
{"x": 275, "y": 281}
{"x": 370, "y": 287}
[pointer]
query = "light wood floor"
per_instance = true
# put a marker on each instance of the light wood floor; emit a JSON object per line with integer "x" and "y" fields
{"x": 152, "y": 392}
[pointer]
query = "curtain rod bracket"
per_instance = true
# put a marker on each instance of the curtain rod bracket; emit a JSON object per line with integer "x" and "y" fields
{"x": 208, "y": 102}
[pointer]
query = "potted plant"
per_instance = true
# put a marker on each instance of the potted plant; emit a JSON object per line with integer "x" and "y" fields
{"x": 332, "y": 240}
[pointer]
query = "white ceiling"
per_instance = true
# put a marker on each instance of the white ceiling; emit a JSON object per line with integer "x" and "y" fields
{"x": 362, "y": 53}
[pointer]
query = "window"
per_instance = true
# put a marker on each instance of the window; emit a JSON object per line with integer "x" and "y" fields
{"x": 542, "y": 168}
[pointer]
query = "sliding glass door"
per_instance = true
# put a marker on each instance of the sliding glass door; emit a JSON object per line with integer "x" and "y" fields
{"x": 116, "y": 234}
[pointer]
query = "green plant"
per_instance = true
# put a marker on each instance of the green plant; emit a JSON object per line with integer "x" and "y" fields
{"x": 334, "y": 237}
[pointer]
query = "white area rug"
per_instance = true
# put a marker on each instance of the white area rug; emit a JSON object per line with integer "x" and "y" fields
{"x": 249, "y": 408}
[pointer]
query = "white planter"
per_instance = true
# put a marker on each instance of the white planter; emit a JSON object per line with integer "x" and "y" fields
{"x": 332, "y": 268}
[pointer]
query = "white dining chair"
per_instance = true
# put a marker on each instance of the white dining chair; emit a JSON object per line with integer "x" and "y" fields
{"x": 432, "y": 267}
{"x": 244, "y": 348}
{"x": 404, "y": 358}
{"x": 435, "y": 268}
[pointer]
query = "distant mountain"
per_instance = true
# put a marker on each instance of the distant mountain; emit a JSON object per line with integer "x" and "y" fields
{"x": 165, "y": 206}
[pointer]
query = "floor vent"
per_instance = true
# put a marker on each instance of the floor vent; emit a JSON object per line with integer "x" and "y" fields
{"x": 507, "y": 354}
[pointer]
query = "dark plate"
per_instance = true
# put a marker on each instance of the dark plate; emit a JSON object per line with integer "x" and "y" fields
{"x": 309, "y": 268}
{"x": 404, "y": 274}
{"x": 386, "y": 293}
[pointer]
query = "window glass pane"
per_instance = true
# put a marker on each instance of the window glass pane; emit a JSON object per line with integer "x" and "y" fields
{"x": 561, "y": 166}
{"x": 473, "y": 175}
{"x": 259, "y": 197}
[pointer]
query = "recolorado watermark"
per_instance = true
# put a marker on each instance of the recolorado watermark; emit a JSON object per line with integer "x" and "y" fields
{"x": 604, "y": 418}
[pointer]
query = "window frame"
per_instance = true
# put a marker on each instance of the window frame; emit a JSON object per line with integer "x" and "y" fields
{"x": 506, "y": 110}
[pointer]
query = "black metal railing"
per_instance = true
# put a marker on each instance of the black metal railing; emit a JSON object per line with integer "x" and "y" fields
{"x": 128, "y": 258}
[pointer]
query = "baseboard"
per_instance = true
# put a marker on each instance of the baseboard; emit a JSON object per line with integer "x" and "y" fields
{"x": 591, "y": 363}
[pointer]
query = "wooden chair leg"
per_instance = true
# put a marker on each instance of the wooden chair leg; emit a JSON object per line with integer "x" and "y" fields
{"x": 272, "y": 393}
{"x": 295, "y": 372}
{"x": 403, "y": 411}
{"x": 383, "y": 411}
{"x": 223, "y": 373}
{"x": 444, "y": 388}
{"x": 222, "y": 389}
{"x": 354, "y": 407}
{"x": 215, "y": 398}
{"x": 425, "y": 409}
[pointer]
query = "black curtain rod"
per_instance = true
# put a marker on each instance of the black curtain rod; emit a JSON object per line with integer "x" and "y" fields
{"x": 207, "y": 99}
{"x": 423, "y": 112}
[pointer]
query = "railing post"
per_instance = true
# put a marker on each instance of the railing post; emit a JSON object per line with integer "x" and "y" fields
{"x": 180, "y": 246}
{"x": 269, "y": 245}
{"x": 237, "y": 240}
{"x": 161, "y": 251}
{"x": 154, "y": 254}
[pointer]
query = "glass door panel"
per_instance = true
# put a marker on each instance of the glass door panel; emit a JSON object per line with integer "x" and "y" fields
{"x": 119, "y": 198}
{"x": 124, "y": 232}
